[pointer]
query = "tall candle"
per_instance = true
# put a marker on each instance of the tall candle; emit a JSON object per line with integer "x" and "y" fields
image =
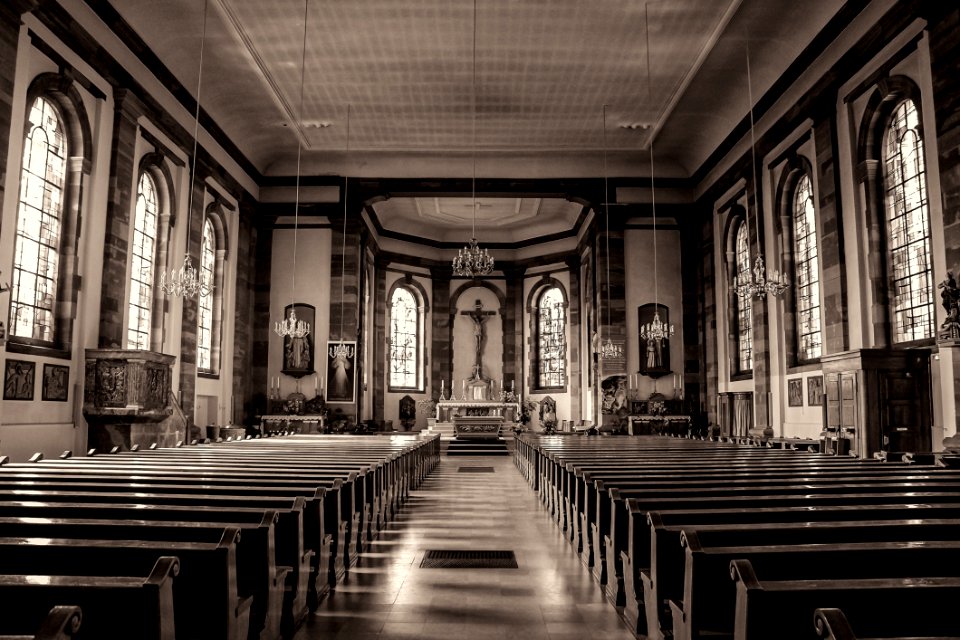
{"x": 511, "y": 385}
{"x": 441, "y": 386}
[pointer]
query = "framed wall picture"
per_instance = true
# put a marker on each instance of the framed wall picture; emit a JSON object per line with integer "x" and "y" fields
{"x": 815, "y": 391}
{"x": 18, "y": 380}
{"x": 654, "y": 354}
{"x": 341, "y": 371}
{"x": 795, "y": 392}
{"x": 55, "y": 383}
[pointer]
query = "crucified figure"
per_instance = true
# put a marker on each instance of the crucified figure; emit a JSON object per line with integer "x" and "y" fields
{"x": 479, "y": 316}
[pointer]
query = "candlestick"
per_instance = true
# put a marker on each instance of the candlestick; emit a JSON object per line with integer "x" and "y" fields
{"x": 511, "y": 386}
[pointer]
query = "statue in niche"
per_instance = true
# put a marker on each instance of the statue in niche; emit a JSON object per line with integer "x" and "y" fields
{"x": 298, "y": 353}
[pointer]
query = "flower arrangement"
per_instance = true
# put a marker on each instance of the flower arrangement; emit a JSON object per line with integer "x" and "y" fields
{"x": 657, "y": 408}
{"x": 527, "y": 408}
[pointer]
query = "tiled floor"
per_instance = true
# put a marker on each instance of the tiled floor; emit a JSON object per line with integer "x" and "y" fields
{"x": 388, "y": 595}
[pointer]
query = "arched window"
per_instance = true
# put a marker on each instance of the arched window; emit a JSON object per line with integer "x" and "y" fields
{"x": 36, "y": 261}
{"x": 551, "y": 339}
{"x": 208, "y": 258}
{"x": 743, "y": 318}
{"x": 807, "y": 272}
{"x": 404, "y": 339}
{"x": 908, "y": 227}
{"x": 142, "y": 267}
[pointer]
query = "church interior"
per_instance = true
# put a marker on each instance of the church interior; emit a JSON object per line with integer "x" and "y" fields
{"x": 620, "y": 255}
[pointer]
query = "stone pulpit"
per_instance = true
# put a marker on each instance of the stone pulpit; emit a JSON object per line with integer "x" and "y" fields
{"x": 127, "y": 398}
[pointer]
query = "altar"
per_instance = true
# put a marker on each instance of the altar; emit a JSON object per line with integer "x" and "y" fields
{"x": 448, "y": 409}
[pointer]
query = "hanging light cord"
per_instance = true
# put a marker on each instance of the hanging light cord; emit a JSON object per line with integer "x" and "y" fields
{"x": 343, "y": 245}
{"x": 196, "y": 129}
{"x": 606, "y": 208}
{"x": 473, "y": 182}
{"x": 296, "y": 206}
{"x": 653, "y": 191}
{"x": 753, "y": 151}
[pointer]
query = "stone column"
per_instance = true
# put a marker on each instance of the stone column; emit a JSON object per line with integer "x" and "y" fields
{"x": 441, "y": 361}
{"x": 833, "y": 286}
{"x": 574, "y": 364}
{"x": 116, "y": 242}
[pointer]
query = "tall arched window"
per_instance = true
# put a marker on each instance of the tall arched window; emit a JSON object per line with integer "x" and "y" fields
{"x": 551, "y": 339}
{"x": 142, "y": 266}
{"x": 807, "y": 272}
{"x": 36, "y": 257}
{"x": 208, "y": 257}
{"x": 744, "y": 331}
{"x": 908, "y": 227}
{"x": 404, "y": 339}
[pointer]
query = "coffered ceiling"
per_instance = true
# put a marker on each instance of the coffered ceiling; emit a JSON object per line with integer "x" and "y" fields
{"x": 544, "y": 69}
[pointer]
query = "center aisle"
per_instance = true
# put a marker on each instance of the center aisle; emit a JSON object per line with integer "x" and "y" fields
{"x": 387, "y": 595}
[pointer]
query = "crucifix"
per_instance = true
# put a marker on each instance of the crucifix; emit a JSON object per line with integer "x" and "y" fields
{"x": 479, "y": 316}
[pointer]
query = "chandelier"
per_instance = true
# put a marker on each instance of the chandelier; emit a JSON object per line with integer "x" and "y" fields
{"x": 186, "y": 282}
{"x": 656, "y": 330}
{"x": 756, "y": 284}
{"x": 472, "y": 261}
{"x": 342, "y": 350}
{"x": 608, "y": 349}
{"x": 291, "y": 327}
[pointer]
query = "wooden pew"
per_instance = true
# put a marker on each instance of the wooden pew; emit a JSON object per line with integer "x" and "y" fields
{"x": 660, "y": 576}
{"x": 317, "y": 511}
{"x": 257, "y": 573}
{"x": 62, "y": 622}
{"x": 832, "y": 624}
{"x": 784, "y": 609}
{"x": 813, "y": 551}
{"x": 115, "y": 606}
{"x": 336, "y": 515}
{"x": 206, "y": 600}
{"x": 295, "y": 598}
{"x": 617, "y": 515}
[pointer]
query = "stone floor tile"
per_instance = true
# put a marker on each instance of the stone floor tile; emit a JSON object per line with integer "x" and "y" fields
{"x": 552, "y": 596}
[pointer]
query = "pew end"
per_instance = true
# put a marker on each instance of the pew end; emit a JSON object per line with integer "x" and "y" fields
{"x": 831, "y": 624}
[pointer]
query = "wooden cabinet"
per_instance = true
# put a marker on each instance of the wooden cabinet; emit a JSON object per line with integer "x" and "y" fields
{"x": 877, "y": 400}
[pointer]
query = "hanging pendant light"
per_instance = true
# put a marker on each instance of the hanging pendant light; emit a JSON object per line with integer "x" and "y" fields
{"x": 186, "y": 282}
{"x": 608, "y": 350}
{"x": 291, "y": 327}
{"x": 473, "y": 261}
{"x": 755, "y": 283}
{"x": 656, "y": 330}
{"x": 342, "y": 350}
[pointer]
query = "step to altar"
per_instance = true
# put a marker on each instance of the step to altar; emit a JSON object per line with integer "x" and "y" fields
{"x": 445, "y": 429}
{"x": 489, "y": 447}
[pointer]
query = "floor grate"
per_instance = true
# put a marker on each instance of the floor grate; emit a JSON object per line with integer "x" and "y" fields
{"x": 468, "y": 559}
{"x": 475, "y": 469}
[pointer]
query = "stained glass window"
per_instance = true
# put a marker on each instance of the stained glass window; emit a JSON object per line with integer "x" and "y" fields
{"x": 551, "y": 339}
{"x": 142, "y": 264}
{"x": 807, "y": 276}
{"x": 744, "y": 305}
{"x": 208, "y": 253}
{"x": 36, "y": 261}
{"x": 908, "y": 227}
{"x": 404, "y": 340}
